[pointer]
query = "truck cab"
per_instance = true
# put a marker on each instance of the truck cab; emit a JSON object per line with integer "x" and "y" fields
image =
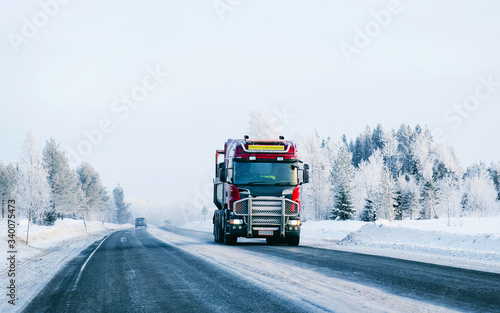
{"x": 257, "y": 191}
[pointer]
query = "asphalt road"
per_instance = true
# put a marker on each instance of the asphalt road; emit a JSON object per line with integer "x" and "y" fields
{"x": 132, "y": 271}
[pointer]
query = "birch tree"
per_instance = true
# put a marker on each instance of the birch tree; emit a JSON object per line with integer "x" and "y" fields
{"x": 33, "y": 190}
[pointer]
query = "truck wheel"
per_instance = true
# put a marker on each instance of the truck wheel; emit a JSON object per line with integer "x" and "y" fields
{"x": 293, "y": 240}
{"x": 217, "y": 230}
{"x": 215, "y": 233}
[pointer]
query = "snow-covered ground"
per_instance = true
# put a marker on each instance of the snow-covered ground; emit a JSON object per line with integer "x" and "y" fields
{"x": 471, "y": 242}
{"x": 48, "y": 250}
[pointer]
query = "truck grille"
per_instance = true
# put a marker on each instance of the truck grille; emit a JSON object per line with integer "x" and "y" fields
{"x": 266, "y": 220}
{"x": 266, "y": 207}
{"x": 266, "y": 210}
{"x": 241, "y": 207}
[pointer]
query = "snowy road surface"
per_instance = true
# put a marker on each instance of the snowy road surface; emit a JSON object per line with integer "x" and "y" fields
{"x": 184, "y": 271}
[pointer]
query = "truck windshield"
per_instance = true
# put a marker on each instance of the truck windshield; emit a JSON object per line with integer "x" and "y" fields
{"x": 265, "y": 173}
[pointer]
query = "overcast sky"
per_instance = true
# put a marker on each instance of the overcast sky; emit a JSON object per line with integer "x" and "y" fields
{"x": 159, "y": 85}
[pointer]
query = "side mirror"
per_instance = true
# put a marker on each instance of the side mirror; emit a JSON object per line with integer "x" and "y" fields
{"x": 223, "y": 175}
{"x": 305, "y": 179}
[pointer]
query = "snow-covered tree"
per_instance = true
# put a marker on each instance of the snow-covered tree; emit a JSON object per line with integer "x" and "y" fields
{"x": 422, "y": 156}
{"x": 316, "y": 200}
{"x": 409, "y": 201}
{"x": 66, "y": 194}
{"x": 341, "y": 180}
{"x": 95, "y": 195}
{"x": 450, "y": 196}
{"x": 404, "y": 137}
{"x": 429, "y": 200}
{"x": 368, "y": 213}
{"x": 122, "y": 213}
{"x": 480, "y": 194}
{"x": 390, "y": 152}
{"x": 385, "y": 195}
{"x": 373, "y": 185}
{"x": 33, "y": 190}
{"x": 262, "y": 125}
{"x": 8, "y": 180}
{"x": 446, "y": 162}
{"x": 494, "y": 171}
{"x": 377, "y": 137}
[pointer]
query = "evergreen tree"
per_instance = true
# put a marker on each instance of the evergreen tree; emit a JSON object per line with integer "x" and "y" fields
{"x": 368, "y": 147}
{"x": 66, "y": 195}
{"x": 122, "y": 213}
{"x": 390, "y": 152}
{"x": 368, "y": 214}
{"x": 494, "y": 171}
{"x": 446, "y": 162}
{"x": 357, "y": 152}
{"x": 429, "y": 200}
{"x": 341, "y": 178}
{"x": 95, "y": 195}
{"x": 404, "y": 136}
{"x": 343, "y": 208}
{"x": 409, "y": 201}
{"x": 377, "y": 137}
{"x": 398, "y": 212}
{"x": 8, "y": 181}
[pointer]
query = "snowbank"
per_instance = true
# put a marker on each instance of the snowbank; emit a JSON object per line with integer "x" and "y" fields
{"x": 472, "y": 242}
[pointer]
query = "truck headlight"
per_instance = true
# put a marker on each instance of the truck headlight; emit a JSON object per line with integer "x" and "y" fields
{"x": 236, "y": 221}
{"x": 294, "y": 222}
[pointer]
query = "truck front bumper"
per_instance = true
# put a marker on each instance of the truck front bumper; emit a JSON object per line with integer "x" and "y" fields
{"x": 261, "y": 217}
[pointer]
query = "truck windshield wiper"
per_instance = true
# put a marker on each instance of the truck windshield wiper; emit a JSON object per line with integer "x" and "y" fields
{"x": 284, "y": 183}
{"x": 258, "y": 183}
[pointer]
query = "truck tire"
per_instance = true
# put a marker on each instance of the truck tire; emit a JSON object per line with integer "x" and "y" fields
{"x": 218, "y": 236}
{"x": 293, "y": 240}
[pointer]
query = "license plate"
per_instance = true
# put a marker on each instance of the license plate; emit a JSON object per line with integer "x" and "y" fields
{"x": 266, "y": 233}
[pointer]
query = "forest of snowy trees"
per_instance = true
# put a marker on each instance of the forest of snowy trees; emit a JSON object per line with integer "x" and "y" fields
{"x": 47, "y": 188}
{"x": 394, "y": 174}
{"x": 388, "y": 174}
{"x": 383, "y": 173}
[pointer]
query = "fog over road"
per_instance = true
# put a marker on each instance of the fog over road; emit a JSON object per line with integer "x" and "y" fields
{"x": 132, "y": 271}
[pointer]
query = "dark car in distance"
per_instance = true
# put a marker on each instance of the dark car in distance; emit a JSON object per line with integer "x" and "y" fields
{"x": 140, "y": 221}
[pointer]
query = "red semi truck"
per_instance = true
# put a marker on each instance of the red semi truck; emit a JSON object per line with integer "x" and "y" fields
{"x": 256, "y": 191}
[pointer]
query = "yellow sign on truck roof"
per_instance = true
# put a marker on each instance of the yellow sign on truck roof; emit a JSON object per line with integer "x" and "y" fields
{"x": 266, "y": 147}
